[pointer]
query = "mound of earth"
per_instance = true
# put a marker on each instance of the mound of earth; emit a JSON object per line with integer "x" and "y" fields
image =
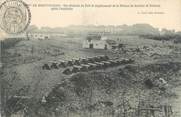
{"x": 99, "y": 90}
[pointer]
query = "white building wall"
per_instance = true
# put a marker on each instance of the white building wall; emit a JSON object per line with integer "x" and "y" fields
{"x": 38, "y": 36}
{"x": 97, "y": 44}
{"x": 85, "y": 44}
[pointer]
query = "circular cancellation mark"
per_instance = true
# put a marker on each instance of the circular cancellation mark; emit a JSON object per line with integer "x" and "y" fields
{"x": 15, "y": 16}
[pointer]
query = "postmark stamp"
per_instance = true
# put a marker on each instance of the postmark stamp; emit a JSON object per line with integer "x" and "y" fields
{"x": 15, "y": 16}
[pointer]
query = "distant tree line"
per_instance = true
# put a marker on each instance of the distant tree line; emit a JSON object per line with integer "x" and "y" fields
{"x": 176, "y": 38}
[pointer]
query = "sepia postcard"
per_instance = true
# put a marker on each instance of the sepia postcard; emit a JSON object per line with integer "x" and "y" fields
{"x": 90, "y": 58}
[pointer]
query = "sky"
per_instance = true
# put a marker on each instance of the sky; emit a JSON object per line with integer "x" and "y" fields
{"x": 169, "y": 18}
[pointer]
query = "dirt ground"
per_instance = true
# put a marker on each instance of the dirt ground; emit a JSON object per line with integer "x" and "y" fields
{"x": 153, "y": 60}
